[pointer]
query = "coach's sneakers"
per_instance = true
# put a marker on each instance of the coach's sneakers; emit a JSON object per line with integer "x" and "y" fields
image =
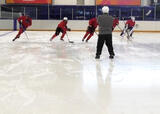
{"x": 97, "y": 57}
{"x": 111, "y": 56}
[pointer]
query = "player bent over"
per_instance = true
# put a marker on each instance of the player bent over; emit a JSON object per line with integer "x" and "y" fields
{"x": 129, "y": 25}
{"x": 25, "y": 22}
{"x": 91, "y": 29}
{"x": 62, "y": 27}
{"x": 115, "y": 22}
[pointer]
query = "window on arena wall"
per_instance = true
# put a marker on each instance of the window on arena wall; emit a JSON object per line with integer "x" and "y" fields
{"x": 158, "y": 12}
{"x": 55, "y": 12}
{"x": 125, "y": 13}
{"x": 114, "y": 11}
{"x": 90, "y": 12}
{"x": 6, "y": 12}
{"x": 79, "y": 13}
{"x": 66, "y": 12}
{"x": 31, "y": 11}
{"x": 138, "y": 13}
{"x": 42, "y": 12}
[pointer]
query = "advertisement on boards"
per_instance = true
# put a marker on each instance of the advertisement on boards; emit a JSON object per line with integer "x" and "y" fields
{"x": 118, "y": 2}
{"x": 29, "y": 1}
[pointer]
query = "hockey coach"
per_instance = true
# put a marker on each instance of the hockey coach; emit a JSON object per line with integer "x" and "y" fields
{"x": 105, "y": 33}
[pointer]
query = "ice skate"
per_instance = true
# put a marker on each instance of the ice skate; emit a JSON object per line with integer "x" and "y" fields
{"x": 61, "y": 39}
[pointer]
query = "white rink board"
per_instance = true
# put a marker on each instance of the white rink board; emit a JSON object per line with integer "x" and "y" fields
{"x": 77, "y": 25}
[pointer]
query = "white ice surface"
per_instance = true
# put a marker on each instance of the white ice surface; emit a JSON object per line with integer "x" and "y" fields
{"x": 42, "y": 77}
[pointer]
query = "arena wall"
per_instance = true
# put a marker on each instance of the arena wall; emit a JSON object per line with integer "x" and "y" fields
{"x": 76, "y": 25}
{"x": 65, "y": 2}
{"x": 2, "y": 1}
{"x": 86, "y": 2}
{"x": 72, "y": 2}
{"x": 90, "y": 2}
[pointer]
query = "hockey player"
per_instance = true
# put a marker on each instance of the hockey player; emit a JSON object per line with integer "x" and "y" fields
{"x": 105, "y": 22}
{"x": 129, "y": 25}
{"x": 24, "y": 22}
{"x": 62, "y": 27}
{"x": 115, "y": 22}
{"x": 91, "y": 29}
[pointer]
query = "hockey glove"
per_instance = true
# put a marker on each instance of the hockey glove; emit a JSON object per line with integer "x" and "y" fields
{"x": 136, "y": 25}
{"x": 20, "y": 22}
{"x": 68, "y": 29}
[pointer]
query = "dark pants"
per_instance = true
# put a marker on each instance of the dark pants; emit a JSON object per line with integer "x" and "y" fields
{"x": 127, "y": 30}
{"x": 91, "y": 30}
{"x": 21, "y": 30}
{"x": 58, "y": 30}
{"x": 107, "y": 39}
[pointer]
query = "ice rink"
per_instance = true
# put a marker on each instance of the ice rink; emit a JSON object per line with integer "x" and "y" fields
{"x": 42, "y": 77}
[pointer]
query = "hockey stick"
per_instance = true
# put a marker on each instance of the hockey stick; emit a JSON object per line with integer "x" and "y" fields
{"x": 119, "y": 28}
{"x": 131, "y": 32}
{"x": 128, "y": 37}
{"x": 68, "y": 39}
{"x": 26, "y": 35}
{"x": 24, "y": 31}
{"x": 96, "y": 33}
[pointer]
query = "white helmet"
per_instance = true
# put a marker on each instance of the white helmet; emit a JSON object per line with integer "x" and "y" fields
{"x": 105, "y": 9}
{"x": 21, "y": 14}
{"x": 65, "y": 18}
{"x": 133, "y": 18}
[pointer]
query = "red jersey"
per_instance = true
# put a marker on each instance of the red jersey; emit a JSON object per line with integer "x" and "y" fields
{"x": 63, "y": 25}
{"x": 25, "y": 20}
{"x": 130, "y": 23}
{"x": 93, "y": 22}
{"x": 115, "y": 22}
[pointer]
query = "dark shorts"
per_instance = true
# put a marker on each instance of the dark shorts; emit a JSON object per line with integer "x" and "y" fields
{"x": 90, "y": 29}
{"x": 130, "y": 28}
{"x": 58, "y": 30}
